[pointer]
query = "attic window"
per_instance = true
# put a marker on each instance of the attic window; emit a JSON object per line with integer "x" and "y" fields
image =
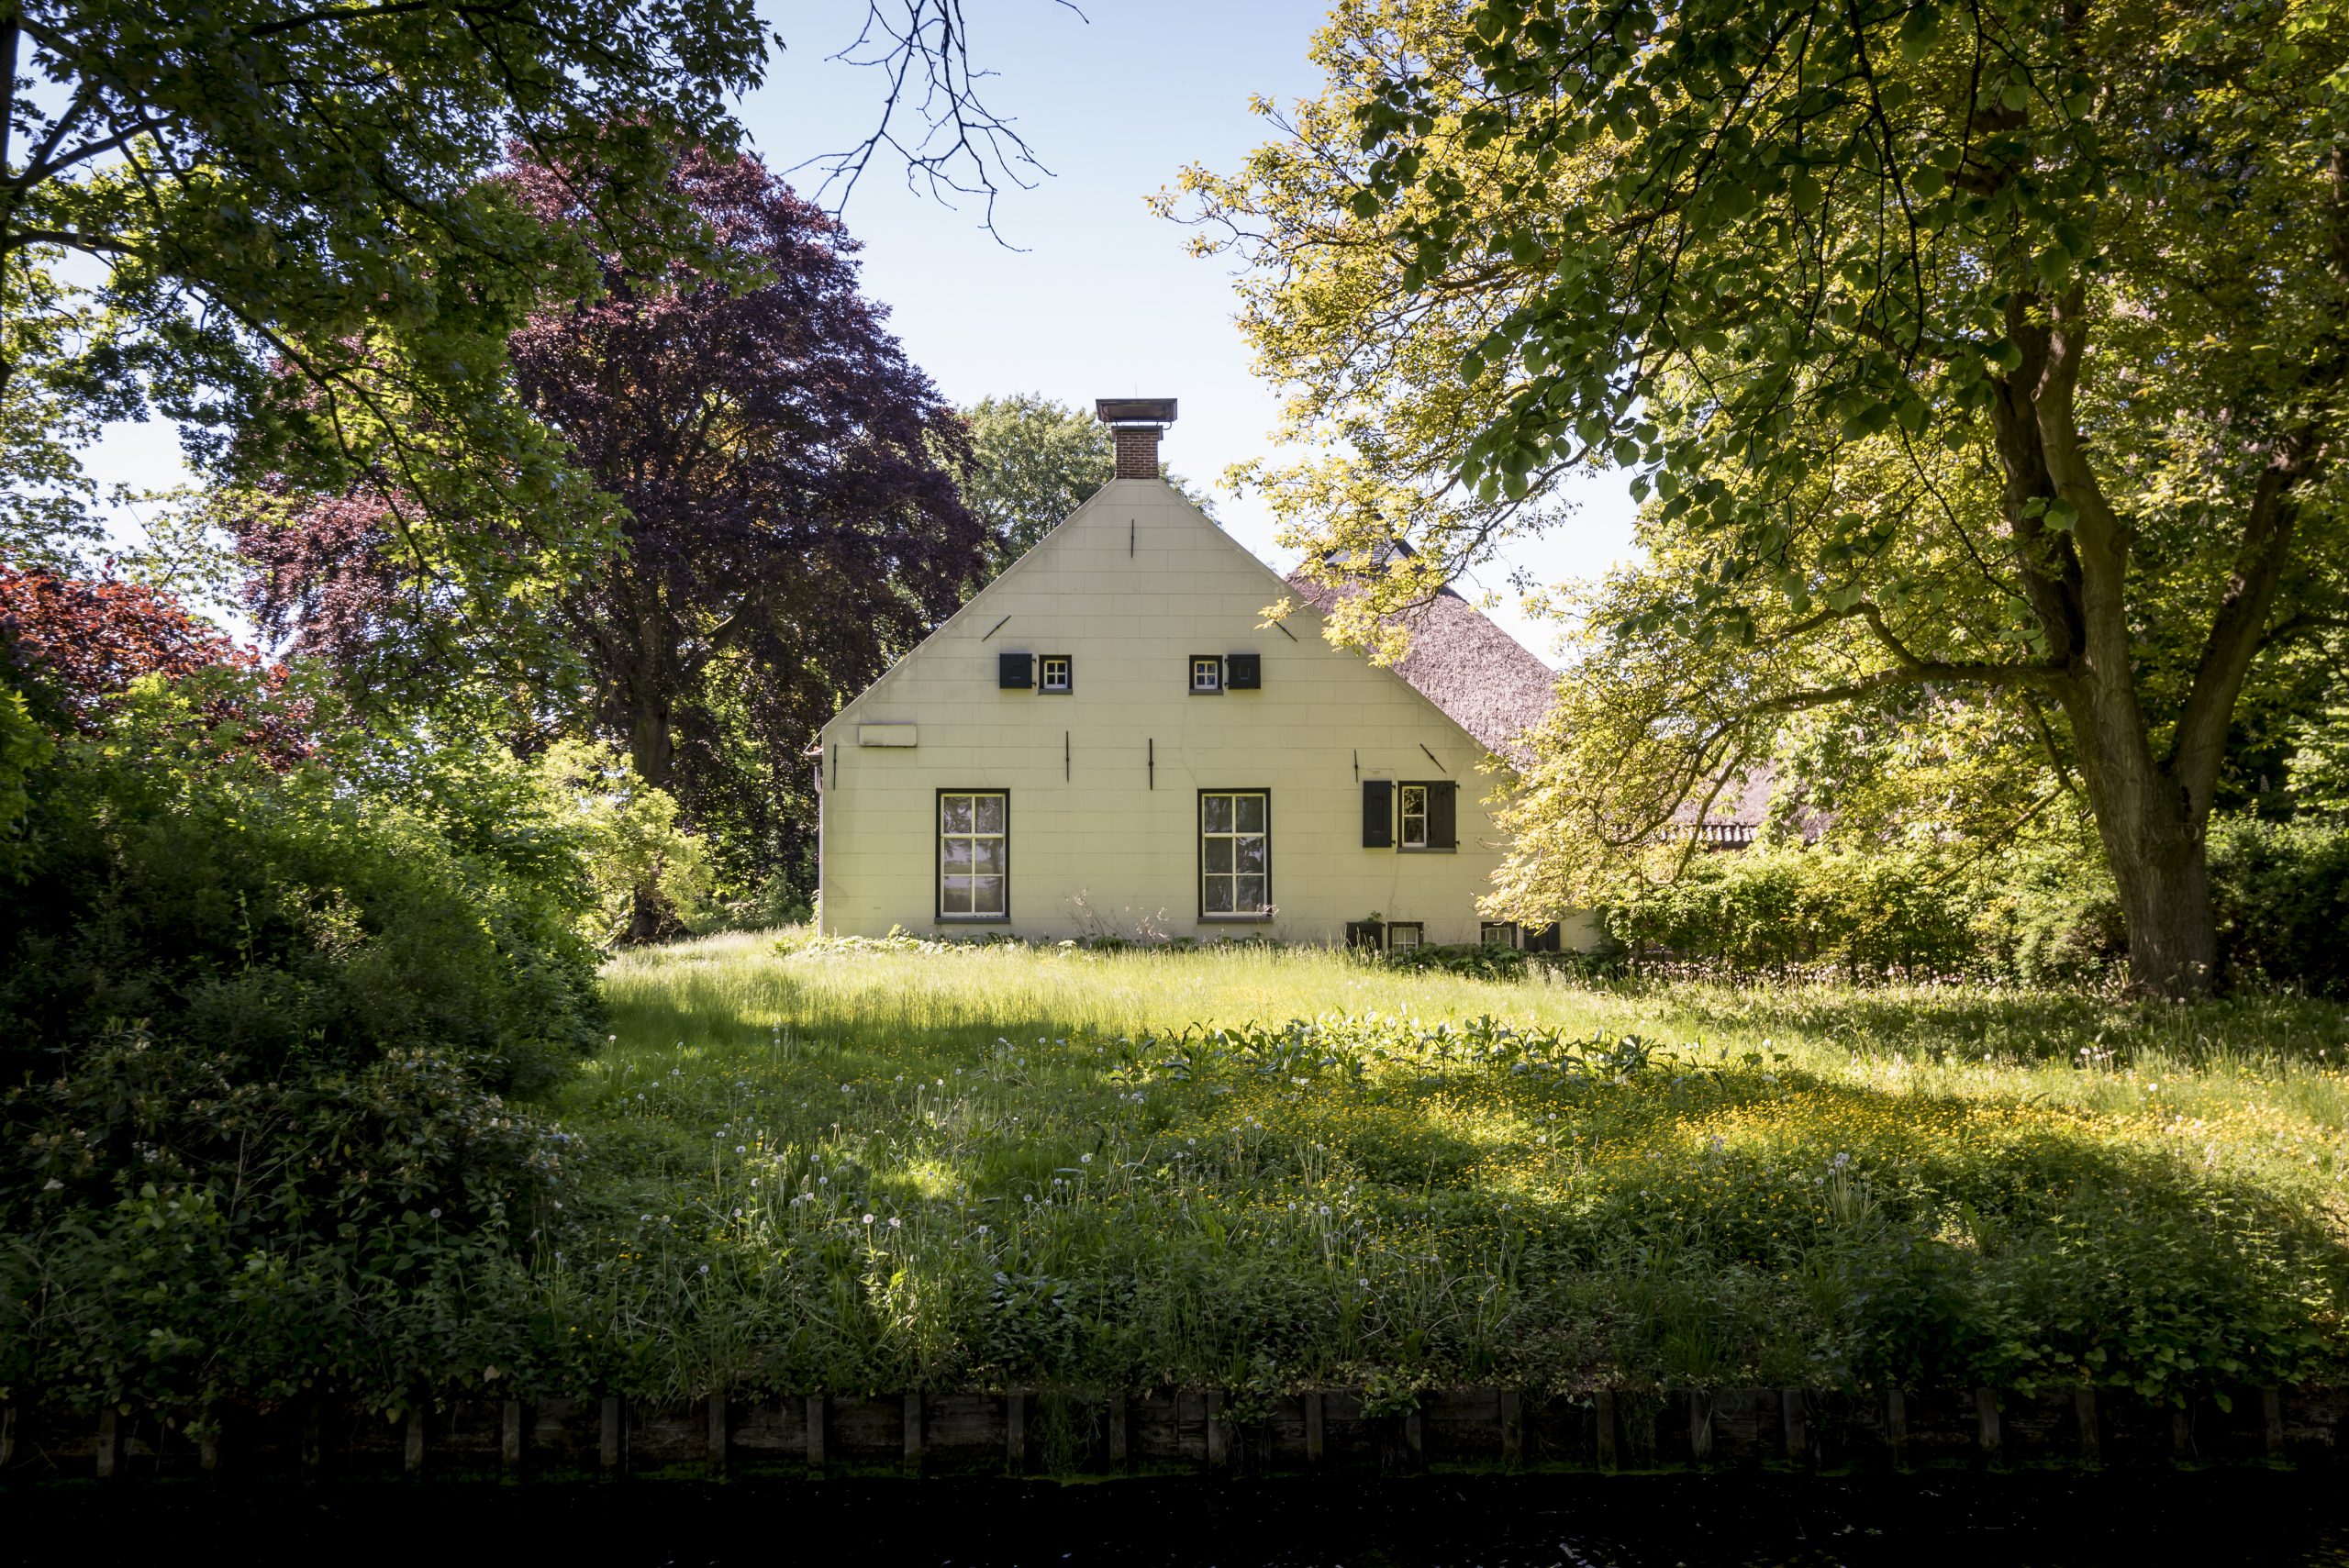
{"x": 1055, "y": 670}
{"x": 1206, "y": 672}
{"x": 1430, "y": 816}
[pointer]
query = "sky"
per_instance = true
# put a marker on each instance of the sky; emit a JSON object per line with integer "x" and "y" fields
{"x": 1092, "y": 295}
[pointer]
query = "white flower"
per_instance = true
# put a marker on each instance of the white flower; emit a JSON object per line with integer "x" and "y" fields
{"x": 868, "y": 1219}
{"x": 436, "y": 1214}
{"x": 704, "y": 1268}
{"x": 1085, "y": 1159}
{"x": 895, "y": 1222}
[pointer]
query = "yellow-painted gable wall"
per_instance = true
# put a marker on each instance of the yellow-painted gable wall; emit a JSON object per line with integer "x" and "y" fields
{"x": 1100, "y": 840}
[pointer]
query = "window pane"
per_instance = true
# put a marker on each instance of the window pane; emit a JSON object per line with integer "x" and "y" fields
{"x": 1251, "y": 813}
{"x": 954, "y": 813}
{"x": 1219, "y": 813}
{"x": 1218, "y": 855}
{"x": 988, "y": 813}
{"x": 1249, "y": 893}
{"x": 954, "y": 855}
{"x": 986, "y": 894}
{"x": 1219, "y": 899}
{"x": 988, "y": 856}
{"x": 957, "y": 895}
{"x": 1251, "y": 852}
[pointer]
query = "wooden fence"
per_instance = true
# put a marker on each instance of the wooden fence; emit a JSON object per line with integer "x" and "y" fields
{"x": 1171, "y": 1430}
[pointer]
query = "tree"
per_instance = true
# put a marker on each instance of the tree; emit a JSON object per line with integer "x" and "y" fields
{"x": 786, "y": 487}
{"x": 1033, "y": 461}
{"x": 1993, "y": 348}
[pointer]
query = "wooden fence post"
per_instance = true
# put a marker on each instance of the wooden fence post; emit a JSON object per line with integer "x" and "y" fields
{"x": 1014, "y": 1433}
{"x": 412, "y": 1451}
{"x": 1512, "y": 1428}
{"x": 1218, "y": 1433}
{"x": 509, "y": 1439}
{"x": 612, "y": 1438}
{"x": 1797, "y": 1430}
{"x": 717, "y": 1436}
{"x": 1605, "y": 1428}
{"x": 913, "y": 1434}
{"x": 1896, "y": 1427}
{"x": 107, "y": 1426}
{"x": 1120, "y": 1427}
{"x": 1700, "y": 1426}
{"x": 2091, "y": 1430}
{"x": 1985, "y": 1416}
{"x": 815, "y": 1410}
{"x": 2271, "y": 1409}
{"x": 1314, "y": 1438}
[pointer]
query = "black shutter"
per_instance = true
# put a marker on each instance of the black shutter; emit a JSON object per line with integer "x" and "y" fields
{"x": 1015, "y": 672}
{"x": 1243, "y": 672}
{"x": 1377, "y": 814}
{"x": 1443, "y": 832}
{"x": 1543, "y": 941}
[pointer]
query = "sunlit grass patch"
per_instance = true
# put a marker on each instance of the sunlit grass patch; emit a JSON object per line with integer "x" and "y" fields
{"x": 822, "y": 1166}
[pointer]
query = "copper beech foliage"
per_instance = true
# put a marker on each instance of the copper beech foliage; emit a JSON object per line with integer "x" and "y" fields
{"x": 73, "y": 643}
{"x": 786, "y": 496}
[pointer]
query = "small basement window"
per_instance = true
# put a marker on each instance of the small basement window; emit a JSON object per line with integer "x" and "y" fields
{"x": 1055, "y": 670}
{"x": 1404, "y": 934}
{"x": 1370, "y": 934}
{"x": 1497, "y": 934}
{"x": 1206, "y": 672}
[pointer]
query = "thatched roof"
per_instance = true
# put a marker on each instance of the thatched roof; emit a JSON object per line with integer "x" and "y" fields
{"x": 1481, "y": 676}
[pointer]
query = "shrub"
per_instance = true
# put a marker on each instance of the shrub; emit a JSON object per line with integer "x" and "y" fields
{"x": 261, "y": 1023}
{"x": 2281, "y": 896}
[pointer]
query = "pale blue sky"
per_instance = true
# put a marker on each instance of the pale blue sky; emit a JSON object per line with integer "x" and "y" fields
{"x": 1100, "y": 298}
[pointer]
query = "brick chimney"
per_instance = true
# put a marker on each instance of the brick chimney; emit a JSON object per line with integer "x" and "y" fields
{"x": 1136, "y": 422}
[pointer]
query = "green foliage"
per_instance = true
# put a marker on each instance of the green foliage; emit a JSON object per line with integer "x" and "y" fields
{"x": 261, "y": 1026}
{"x": 1033, "y": 461}
{"x": 2043, "y": 914}
{"x": 636, "y": 854}
{"x": 2282, "y": 894}
{"x": 1988, "y": 350}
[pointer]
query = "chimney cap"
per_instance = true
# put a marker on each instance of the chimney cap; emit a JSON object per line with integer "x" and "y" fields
{"x": 1134, "y": 410}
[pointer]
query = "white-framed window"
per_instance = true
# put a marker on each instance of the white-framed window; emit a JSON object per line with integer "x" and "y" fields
{"x": 1054, "y": 673}
{"x": 1415, "y": 817}
{"x": 1206, "y": 672}
{"x": 1498, "y": 934}
{"x": 1401, "y": 934}
{"x": 1235, "y": 854}
{"x": 974, "y": 854}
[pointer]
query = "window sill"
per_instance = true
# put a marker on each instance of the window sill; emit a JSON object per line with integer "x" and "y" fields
{"x": 1264, "y": 919}
{"x": 975, "y": 919}
{"x": 1424, "y": 849}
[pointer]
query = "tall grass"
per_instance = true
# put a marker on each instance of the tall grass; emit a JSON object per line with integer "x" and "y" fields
{"x": 827, "y": 1166}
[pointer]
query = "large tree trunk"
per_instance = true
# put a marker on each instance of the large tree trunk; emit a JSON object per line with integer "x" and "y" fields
{"x": 2151, "y": 810}
{"x": 2154, "y": 836}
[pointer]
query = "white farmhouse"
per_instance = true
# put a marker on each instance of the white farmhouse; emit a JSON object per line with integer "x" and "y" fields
{"x": 1108, "y": 740}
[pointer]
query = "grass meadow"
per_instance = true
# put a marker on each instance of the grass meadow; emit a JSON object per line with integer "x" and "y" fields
{"x": 901, "y": 1165}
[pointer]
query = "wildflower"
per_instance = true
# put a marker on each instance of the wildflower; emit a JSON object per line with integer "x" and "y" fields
{"x": 868, "y": 1219}
{"x": 1085, "y": 1159}
{"x": 436, "y": 1214}
{"x": 895, "y": 1222}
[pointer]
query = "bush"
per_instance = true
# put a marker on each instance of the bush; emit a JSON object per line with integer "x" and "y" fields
{"x": 260, "y": 1025}
{"x": 2039, "y": 915}
{"x": 2280, "y": 893}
